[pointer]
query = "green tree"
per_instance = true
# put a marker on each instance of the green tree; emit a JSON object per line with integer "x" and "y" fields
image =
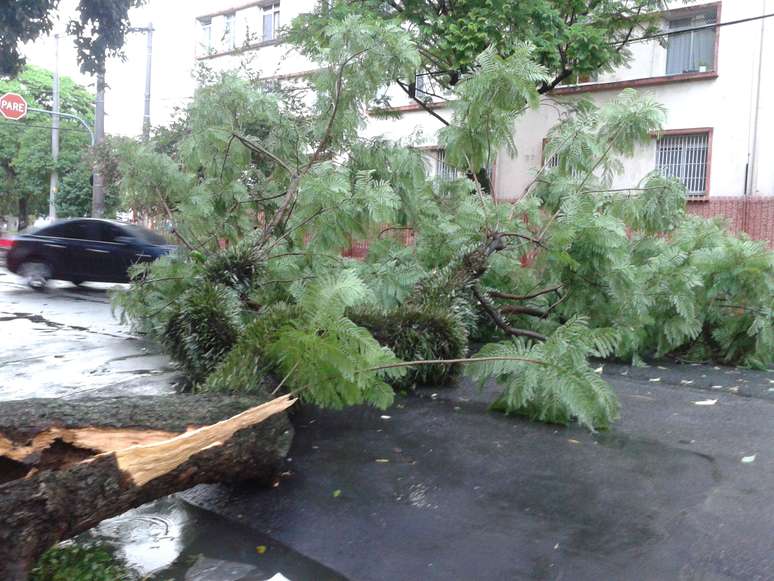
{"x": 571, "y": 38}
{"x": 25, "y": 149}
{"x": 99, "y": 30}
{"x": 574, "y": 270}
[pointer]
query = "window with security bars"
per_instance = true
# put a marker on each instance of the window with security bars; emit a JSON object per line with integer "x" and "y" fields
{"x": 692, "y": 51}
{"x": 686, "y": 158}
{"x": 445, "y": 171}
{"x": 442, "y": 169}
{"x": 553, "y": 163}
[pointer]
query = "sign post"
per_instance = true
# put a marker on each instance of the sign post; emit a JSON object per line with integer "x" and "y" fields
{"x": 13, "y": 106}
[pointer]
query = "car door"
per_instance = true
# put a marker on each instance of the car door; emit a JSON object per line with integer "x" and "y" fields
{"x": 51, "y": 245}
{"x": 91, "y": 258}
{"x": 125, "y": 250}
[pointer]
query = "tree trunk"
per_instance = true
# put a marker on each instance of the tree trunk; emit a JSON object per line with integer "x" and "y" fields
{"x": 67, "y": 465}
{"x": 23, "y": 211}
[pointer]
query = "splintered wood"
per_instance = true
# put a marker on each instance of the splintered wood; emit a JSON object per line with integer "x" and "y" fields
{"x": 145, "y": 462}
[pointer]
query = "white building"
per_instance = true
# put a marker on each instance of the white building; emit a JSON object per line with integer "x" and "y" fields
{"x": 715, "y": 83}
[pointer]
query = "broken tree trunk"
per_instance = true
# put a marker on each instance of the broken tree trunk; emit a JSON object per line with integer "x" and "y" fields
{"x": 67, "y": 465}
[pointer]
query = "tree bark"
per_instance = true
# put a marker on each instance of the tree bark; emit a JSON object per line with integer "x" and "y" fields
{"x": 67, "y": 465}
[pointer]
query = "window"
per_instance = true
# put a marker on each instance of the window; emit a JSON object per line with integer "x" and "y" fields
{"x": 692, "y": 51}
{"x": 421, "y": 85}
{"x": 74, "y": 230}
{"x": 685, "y": 157}
{"x": 229, "y": 31}
{"x": 271, "y": 21}
{"x": 581, "y": 78}
{"x": 205, "y": 35}
{"x": 553, "y": 163}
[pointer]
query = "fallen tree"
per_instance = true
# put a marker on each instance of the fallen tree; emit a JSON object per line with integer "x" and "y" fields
{"x": 67, "y": 465}
{"x": 270, "y": 182}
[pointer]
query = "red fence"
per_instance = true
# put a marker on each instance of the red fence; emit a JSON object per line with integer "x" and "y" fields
{"x": 751, "y": 214}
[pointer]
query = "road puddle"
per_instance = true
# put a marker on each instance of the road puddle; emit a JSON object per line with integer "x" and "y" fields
{"x": 171, "y": 540}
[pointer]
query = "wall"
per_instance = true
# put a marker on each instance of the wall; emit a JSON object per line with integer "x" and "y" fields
{"x": 753, "y": 215}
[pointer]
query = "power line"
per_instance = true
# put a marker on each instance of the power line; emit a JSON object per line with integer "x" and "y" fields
{"x": 702, "y": 27}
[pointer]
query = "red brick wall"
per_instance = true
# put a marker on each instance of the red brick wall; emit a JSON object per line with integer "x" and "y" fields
{"x": 751, "y": 214}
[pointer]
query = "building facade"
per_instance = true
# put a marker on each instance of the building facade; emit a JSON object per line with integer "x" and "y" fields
{"x": 714, "y": 81}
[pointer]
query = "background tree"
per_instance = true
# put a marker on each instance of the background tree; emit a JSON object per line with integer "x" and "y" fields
{"x": 571, "y": 38}
{"x": 99, "y": 30}
{"x": 25, "y": 149}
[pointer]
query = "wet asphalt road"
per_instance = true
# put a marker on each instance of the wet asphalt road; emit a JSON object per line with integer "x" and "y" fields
{"x": 65, "y": 342}
{"x": 438, "y": 487}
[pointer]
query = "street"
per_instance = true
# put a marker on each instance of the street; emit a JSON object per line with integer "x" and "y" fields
{"x": 65, "y": 343}
{"x": 679, "y": 488}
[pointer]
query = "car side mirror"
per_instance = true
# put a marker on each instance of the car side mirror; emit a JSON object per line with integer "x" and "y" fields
{"x": 125, "y": 240}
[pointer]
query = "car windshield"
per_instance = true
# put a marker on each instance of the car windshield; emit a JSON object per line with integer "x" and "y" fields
{"x": 145, "y": 234}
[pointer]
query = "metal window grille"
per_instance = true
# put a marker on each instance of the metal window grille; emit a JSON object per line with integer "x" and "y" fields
{"x": 553, "y": 163}
{"x": 685, "y": 157}
{"x": 442, "y": 169}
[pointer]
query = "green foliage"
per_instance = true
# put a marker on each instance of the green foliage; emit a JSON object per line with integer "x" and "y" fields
{"x": 552, "y": 381}
{"x": 330, "y": 360}
{"x": 571, "y": 38}
{"x": 25, "y": 150}
{"x": 73, "y": 562}
{"x": 98, "y": 30}
{"x": 415, "y": 334}
{"x": 234, "y": 267}
{"x": 286, "y": 183}
{"x": 246, "y": 368}
{"x": 490, "y": 100}
{"x": 205, "y": 325}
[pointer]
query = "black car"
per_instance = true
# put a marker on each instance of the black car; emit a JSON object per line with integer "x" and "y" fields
{"x": 83, "y": 250}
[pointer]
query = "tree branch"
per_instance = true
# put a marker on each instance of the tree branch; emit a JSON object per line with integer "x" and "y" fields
{"x": 421, "y": 103}
{"x": 510, "y": 297}
{"x": 498, "y": 319}
{"x": 251, "y": 145}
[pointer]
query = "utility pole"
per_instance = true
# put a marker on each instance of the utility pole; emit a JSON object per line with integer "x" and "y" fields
{"x": 146, "y": 120}
{"x": 98, "y": 188}
{"x": 54, "y": 185}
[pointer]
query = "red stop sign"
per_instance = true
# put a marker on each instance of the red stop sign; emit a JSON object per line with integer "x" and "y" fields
{"x": 13, "y": 106}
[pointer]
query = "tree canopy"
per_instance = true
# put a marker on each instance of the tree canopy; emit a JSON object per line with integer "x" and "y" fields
{"x": 99, "y": 30}
{"x": 572, "y": 39}
{"x": 25, "y": 148}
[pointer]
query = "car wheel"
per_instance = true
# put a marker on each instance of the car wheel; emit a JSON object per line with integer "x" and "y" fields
{"x": 37, "y": 274}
